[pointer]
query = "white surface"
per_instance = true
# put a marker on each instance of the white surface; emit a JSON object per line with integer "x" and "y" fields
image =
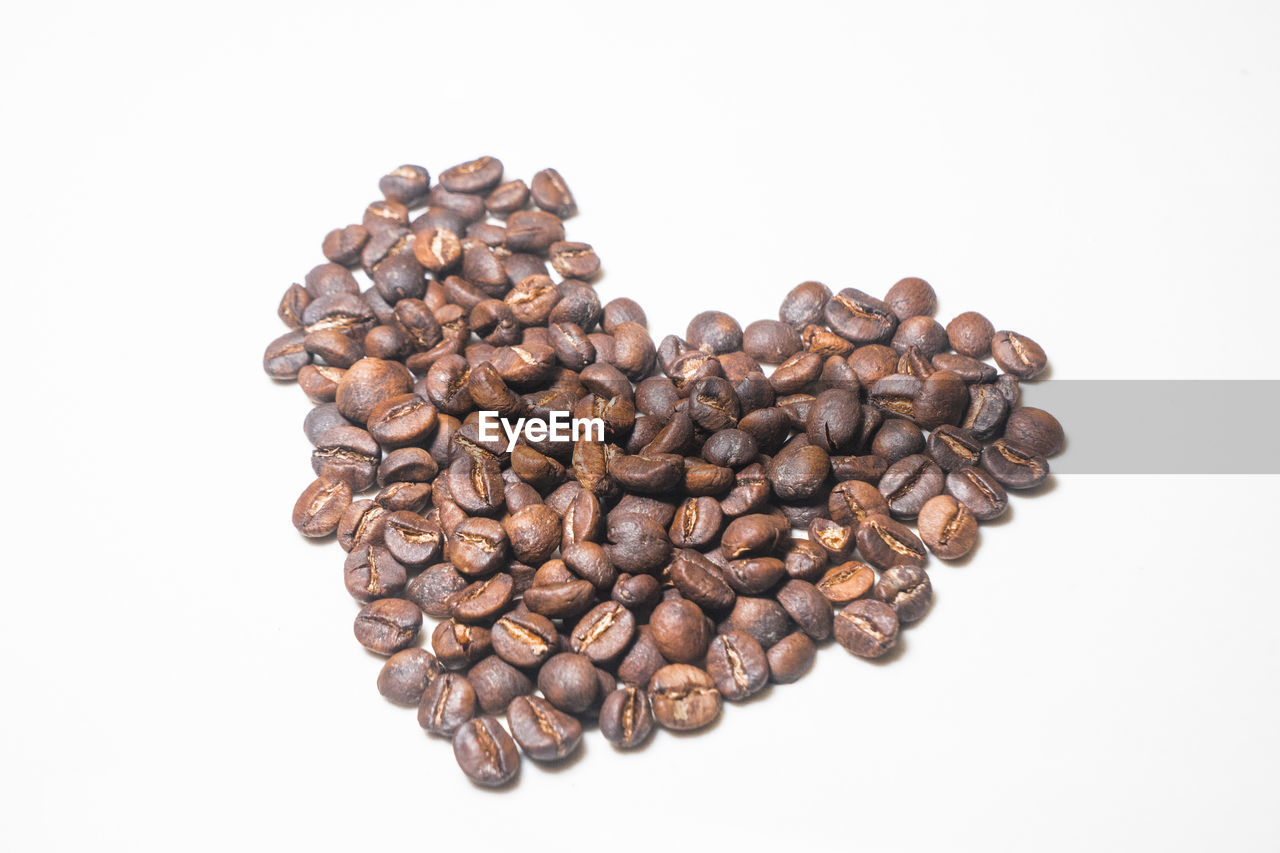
{"x": 179, "y": 668}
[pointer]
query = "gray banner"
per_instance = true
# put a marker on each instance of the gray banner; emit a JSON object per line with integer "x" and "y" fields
{"x": 1219, "y": 426}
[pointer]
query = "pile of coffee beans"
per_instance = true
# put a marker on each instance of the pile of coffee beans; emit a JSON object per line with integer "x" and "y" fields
{"x": 648, "y": 577}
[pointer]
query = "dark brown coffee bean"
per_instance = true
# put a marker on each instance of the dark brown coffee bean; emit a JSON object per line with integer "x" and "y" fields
{"x": 384, "y": 214}
{"x": 714, "y": 332}
{"x": 569, "y": 682}
{"x": 403, "y": 496}
{"x": 560, "y": 600}
{"x": 680, "y": 631}
{"x": 364, "y": 523}
{"x": 625, "y": 717}
{"x": 604, "y": 633}
{"x": 388, "y": 625}
{"x": 574, "y": 260}
{"x": 771, "y": 341}
{"x": 406, "y": 675}
{"x": 1034, "y": 430}
{"x": 953, "y": 448}
{"x": 683, "y": 697}
{"x": 402, "y": 421}
{"x": 552, "y": 194}
{"x": 897, "y": 439}
{"x": 342, "y": 311}
{"x": 636, "y": 591}
{"x": 791, "y": 657}
{"x": 320, "y": 507}
{"x": 825, "y": 344}
{"x": 474, "y": 176}
{"x": 845, "y": 582}
{"x": 543, "y": 732}
{"x": 859, "y": 317}
{"x": 807, "y": 606}
{"x": 737, "y": 665}
{"x": 885, "y": 542}
{"x": 371, "y": 572}
{"x": 534, "y": 533}
{"x": 475, "y": 483}
{"x": 798, "y": 472}
{"x": 348, "y": 454}
{"x": 968, "y": 369}
{"x": 923, "y": 335}
{"x": 286, "y": 355}
{"x": 485, "y": 752}
{"x": 909, "y": 483}
{"x": 697, "y": 523}
{"x": 1017, "y": 354}
{"x": 806, "y": 560}
{"x": 762, "y": 618}
{"x": 507, "y": 197}
{"x": 496, "y": 683}
{"x": 343, "y": 245}
{"x": 591, "y": 562}
{"x": 333, "y": 348}
{"x": 752, "y": 535}
{"x": 985, "y": 416}
{"x": 321, "y": 419}
{"x": 835, "y": 538}
{"x": 979, "y": 491}
{"x": 1013, "y": 466}
{"x": 369, "y": 382}
{"x": 483, "y": 600}
{"x": 970, "y": 334}
{"x": 447, "y": 703}
{"x": 907, "y": 590}
{"x": 648, "y": 474}
{"x": 524, "y": 639}
{"x": 533, "y": 231}
{"x": 639, "y": 543}
{"x": 413, "y": 539}
{"x": 407, "y": 465}
{"x": 458, "y": 645}
{"x": 796, "y": 372}
{"x": 852, "y": 501}
{"x": 754, "y": 575}
{"x": 833, "y": 420}
{"x": 701, "y": 581}
{"x": 478, "y": 546}
{"x": 866, "y": 469}
{"x": 912, "y": 297}
{"x": 866, "y": 627}
{"x": 437, "y": 249}
{"x": 947, "y": 527}
{"x": 433, "y": 589}
{"x": 804, "y": 304}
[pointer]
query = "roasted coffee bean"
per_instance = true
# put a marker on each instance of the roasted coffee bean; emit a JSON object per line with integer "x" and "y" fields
{"x": 1017, "y": 354}
{"x": 791, "y": 657}
{"x": 475, "y": 483}
{"x": 524, "y": 639}
{"x": 751, "y": 535}
{"x": 713, "y": 404}
{"x": 407, "y": 465}
{"x": 591, "y": 562}
{"x": 825, "y": 344}
{"x": 320, "y": 507}
{"x": 680, "y": 631}
{"x": 910, "y": 482}
{"x": 845, "y": 582}
{"x": 750, "y": 492}
{"x": 754, "y": 575}
{"x": 543, "y": 732}
{"x": 639, "y": 543}
{"x": 866, "y": 627}
{"x": 604, "y": 633}
{"x": 714, "y": 332}
{"x": 458, "y": 645}
{"x": 921, "y": 335}
{"x": 381, "y": 215}
{"x": 683, "y": 697}
{"x": 321, "y": 419}
{"x": 852, "y": 501}
{"x": 833, "y": 420}
{"x": 579, "y": 304}
{"x": 402, "y": 421}
{"x": 574, "y": 260}
{"x": 387, "y": 342}
{"x": 348, "y": 454}
{"x": 1034, "y": 430}
{"x": 897, "y": 439}
{"x": 406, "y": 675}
{"x": 642, "y": 660}
{"x": 447, "y": 703}
{"x": 970, "y": 334}
{"x": 326, "y": 279}
{"x": 648, "y": 473}
{"x": 496, "y": 683}
{"x": 804, "y": 304}
{"x": 948, "y": 527}
{"x": 552, "y": 194}
{"x": 796, "y": 372}
{"x": 478, "y": 546}
{"x": 485, "y": 752}
{"x": 697, "y": 523}
{"x": 433, "y": 589}
{"x": 481, "y": 601}
{"x": 388, "y": 625}
{"x": 988, "y": 408}
{"x": 798, "y": 472}
{"x": 369, "y": 382}
{"x": 805, "y": 560}
{"x": 625, "y": 717}
{"x": 866, "y": 469}
{"x": 701, "y": 581}
{"x": 507, "y": 197}
{"x": 835, "y": 538}
{"x": 569, "y": 682}
{"x": 286, "y": 355}
{"x": 762, "y": 618}
{"x": 533, "y": 231}
{"x": 1013, "y": 466}
{"x": 885, "y": 542}
{"x": 403, "y": 496}
{"x": 371, "y": 572}
{"x": 807, "y": 606}
{"x": 953, "y": 448}
{"x": 560, "y": 600}
{"x": 912, "y": 297}
{"x": 737, "y": 665}
{"x": 534, "y": 533}
{"x": 859, "y": 317}
{"x": 907, "y": 590}
{"x": 474, "y": 176}
{"x": 413, "y": 539}
{"x": 343, "y": 245}
{"x": 771, "y": 341}
{"x": 364, "y": 523}
{"x": 437, "y": 249}
{"x": 968, "y": 369}
{"x": 636, "y": 591}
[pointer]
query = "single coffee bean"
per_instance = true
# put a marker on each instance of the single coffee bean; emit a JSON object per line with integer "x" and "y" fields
{"x": 697, "y": 523}
{"x": 364, "y": 523}
{"x": 413, "y": 539}
{"x": 988, "y": 408}
{"x": 534, "y": 533}
{"x": 752, "y": 535}
{"x": 406, "y": 675}
{"x": 860, "y": 318}
{"x": 574, "y": 260}
{"x": 968, "y": 369}
{"x": 912, "y": 297}
{"x": 349, "y": 454}
{"x": 730, "y": 448}
{"x": 953, "y": 448}
{"x": 533, "y": 231}
{"x": 754, "y": 575}
{"x": 371, "y": 572}
{"x": 680, "y": 631}
{"x": 433, "y": 589}
{"x": 798, "y": 472}
{"x": 833, "y": 421}
{"x": 367, "y": 383}
{"x": 737, "y": 665}
{"x": 507, "y": 197}
{"x": 683, "y": 697}
{"x": 636, "y": 591}
{"x": 845, "y": 582}
{"x": 485, "y": 752}
{"x": 771, "y": 341}
{"x": 591, "y": 562}
{"x": 796, "y": 372}
{"x": 648, "y": 473}
{"x": 321, "y": 419}
{"x": 286, "y": 355}
{"x": 970, "y": 334}
{"x": 524, "y": 639}
{"x": 979, "y": 491}
{"x": 807, "y": 606}
{"x": 908, "y": 590}
{"x": 897, "y": 439}
{"x": 343, "y": 245}
{"x": 803, "y": 305}
{"x": 852, "y": 501}
{"x": 561, "y": 600}
{"x": 496, "y": 683}
{"x": 947, "y": 527}
{"x": 1034, "y": 430}
{"x": 642, "y": 660}
{"x": 604, "y": 633}
{"x": 836, "y": 538}
{"x": 543, "y": 732}
{"x": 320, "y": 507}
{"x": 478, "y": 546}
{"x": 1013, "y": 466}
{"x": 806, "y": 560}
{"x": 701, "y": 581}
{"x": 448, "y": 702}
{"x": 884, "y": 543}
{"x": 483, "y": 600}
{"x": 552, "y": 194}
{"x": 388, "y": 625}
{"x": 762, "y": 618}
{"x": 791, "y": 657}
{"x": 474, "y": 176}
{"x": 1017, "y": 354}
{"x": 909, "y": 483}
{"x": 569, "y": 682}
{"x": 639, "y": 543}
{"x": 866, "y": 627}
{"x": 458, "y": 645}
{"x": 714, "y": 332}
{"x": 625, "y": 717}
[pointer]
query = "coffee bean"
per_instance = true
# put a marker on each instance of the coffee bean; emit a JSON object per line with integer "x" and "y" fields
{"x": 798, "y": 472}
{"x": 953, "y": 448}
{"x": 751, "y": 535}
{"x": 524, "y": 639}
{"x": 433, "y": 589}
{"x": 979, "y": 491}
{"x": 833, "y": 420}
{"x": 680, "y": 631}
{"x": 907, "y": 590}
{"x": 806, "y": 560}
{"x": 343, "y": 245}
{"x": 796, "y": 372}
{"x": 485, "y": 752}
{"x": 1017, "y": 354}
{"x": 364, "y": 523}
{"x": 866, "y": 627}
{"x": 859, "y": 317}
{"x": 988, "y": 408}
{"x": 648, "y": 473}
{"x": 369, "y": 382}
{"x": 683, "y": 697}
{"x": 642, "y": 660}
{"x": 481, "y": 601}
{"x": 791, "y": 657}
{"x": 388, "y": 625}
{"x": 496, "y": 683}
{"x": 701, "y": 581}
{"x": 714, "y": 332}
{"x": 625, "y": 717}
{"x": 912, "y": 297}
{"x": 543, "y": 732}
{"x": 1034, "y": 430}
{"x": 636, "y": 591}
{"x": 852, "y": 501}
{"x": 604, "y": 633}
{"x": 474, "y": 176}
{"x": 458, "y": 645}
{"x": 371, "y": 572}
{"x": 552, "y": 194}
{"x": 910, "y": 482}
{"x": 835, "y": 538}
{"x": 884, "y": 543}
{"x": 348, "y": 454}
{"x": 968, "y": 369}
{"x": 845, "y": 582}
{"x": 561, "y": 600}
{"x": 569, "y": 682}
{"x": 762, "y": 618}
{"x": 804, "y": 304}
{"x": 448, "y": 702}
{"x": 771, "y": 341}
{"x": 737, "y": 665}
{"x": 533, "y": 231}
{"x": 320, "y": 507}
{"x": 406, "y": 675}
{"x": 897, "y": 439}
{"x": 807, "y": 606}
{"x": 697, "y": 523}
{"x": 1013, "y": 466}
{"x": 947, "y": 527}
{"x": 286, "y": 355}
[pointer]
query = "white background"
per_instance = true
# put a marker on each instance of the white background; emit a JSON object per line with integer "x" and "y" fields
{"x": 178, "y": 666}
